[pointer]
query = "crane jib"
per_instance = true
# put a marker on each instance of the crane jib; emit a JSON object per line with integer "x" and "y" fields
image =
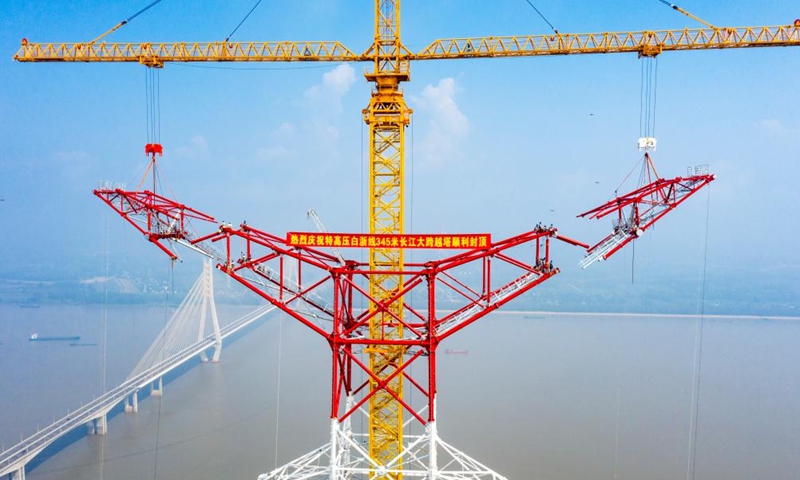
{"x": 646, "y": 42}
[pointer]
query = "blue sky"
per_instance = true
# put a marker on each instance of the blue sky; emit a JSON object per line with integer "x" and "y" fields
{"x": 496, "y": 145}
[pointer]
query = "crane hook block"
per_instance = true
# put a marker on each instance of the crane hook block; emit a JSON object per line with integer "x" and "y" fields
{"x": 153, "y": 148}
{"x": 647, "y": 143}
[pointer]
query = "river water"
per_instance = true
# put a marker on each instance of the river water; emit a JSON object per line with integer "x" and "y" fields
{"x": 538, "y": 396}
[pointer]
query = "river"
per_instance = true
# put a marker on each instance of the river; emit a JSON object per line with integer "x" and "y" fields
{"x": 540, "y": 396}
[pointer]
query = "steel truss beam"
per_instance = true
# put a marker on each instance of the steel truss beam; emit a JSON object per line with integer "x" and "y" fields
{"x": 639, "y": 209}
{"x": 154, "y": 216}
{"x": 429, "y": 302}
{"x": 504, "y": 270}
{"x": 645, "y": 43}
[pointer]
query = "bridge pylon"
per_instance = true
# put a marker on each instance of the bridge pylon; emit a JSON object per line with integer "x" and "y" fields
{"x": 186, "y": 327}
{"x": 209, "y": 308}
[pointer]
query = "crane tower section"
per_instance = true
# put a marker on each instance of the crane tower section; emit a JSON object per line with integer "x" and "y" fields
{"x": 387, "y": 116}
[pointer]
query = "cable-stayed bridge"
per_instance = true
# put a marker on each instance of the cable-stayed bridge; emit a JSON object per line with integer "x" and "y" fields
{"x": 184, "y": 336}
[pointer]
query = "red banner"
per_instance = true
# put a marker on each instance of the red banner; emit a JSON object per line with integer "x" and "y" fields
{"x": 366, "y": 240}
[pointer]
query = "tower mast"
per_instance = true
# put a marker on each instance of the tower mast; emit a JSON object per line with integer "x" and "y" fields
{"x": 387, "y": 116}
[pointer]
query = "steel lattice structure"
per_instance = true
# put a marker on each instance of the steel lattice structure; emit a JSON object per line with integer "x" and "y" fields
{"x": 387, "y": 117}
{"x": 636, "y": 211}
{"x": 326, "y": 297}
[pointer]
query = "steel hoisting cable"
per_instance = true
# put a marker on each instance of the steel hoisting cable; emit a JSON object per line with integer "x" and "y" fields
{"x": 647, "y": 122}
{"x": 633, "y": 169}
{"x": 158, "y": 105}
{"x": 543, "y": 17}
{"x": 652, "y": 83}
{"x": 363, "y": 190}
{"x": 278, "y": 388}
{"x": 648, "y": 95}
{"x": 105, "y": 341}
{"x": 655, "y": 95}
{"x": 147, "y": 103}
{"x": 679, "y": 9}
{"x": 647, "y": 114}
{"x": 148, "y": 130}
{"x": 124, "y": 22}
{"x": 641, "y": 98}
{"x": 698, "y": 356}
{"x": 411, "y": 188}
{"x": 154, "y": 105}
{"x": 152, "y": 121}
{"x": 243, "y": 20}
{"x": 162, "y": 356}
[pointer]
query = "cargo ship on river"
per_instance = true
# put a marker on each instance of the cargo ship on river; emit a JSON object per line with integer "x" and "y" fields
{"x": 65, "y": 338}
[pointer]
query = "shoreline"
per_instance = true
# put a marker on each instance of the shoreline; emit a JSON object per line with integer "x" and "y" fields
{"x": 669, "y": 315}
{"x": 495, "y": 312}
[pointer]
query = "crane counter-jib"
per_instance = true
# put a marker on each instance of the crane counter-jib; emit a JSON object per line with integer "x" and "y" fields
{"x": 186, "y": 52}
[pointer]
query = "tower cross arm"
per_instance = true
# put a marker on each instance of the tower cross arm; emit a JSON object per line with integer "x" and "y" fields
{"x": 156, "y": 54}
{"x": 645, "y": 43}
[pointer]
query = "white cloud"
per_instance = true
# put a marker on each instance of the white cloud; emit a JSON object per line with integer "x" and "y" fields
{"x": 441, "y": 102}
{"x": 773, "y": 126}
{"x": 284, "y": 131}
{"x": 328, "y": 94}
{"x": 316, "y": 135}
{"x": 448, "y": 124}
{"x": 273, "y": 152}
{"x": 196, "y": 149}
{"x": 72, "y": 156}
{"x": 340, "y": 79}
{"x": 326, "y": 132}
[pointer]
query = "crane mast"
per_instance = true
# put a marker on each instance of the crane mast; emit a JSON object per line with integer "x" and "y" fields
{"x": 387, "y": 116}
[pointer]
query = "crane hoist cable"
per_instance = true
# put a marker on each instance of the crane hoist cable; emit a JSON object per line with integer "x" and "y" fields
{"x": 125, "y": 22}
{"x": 698, "y": 356}
{"x": 648, "y": 97}
{"x": 693, "y": 17}
{"x": 647, "y": 123}
{"x": 153, "y": 124}
{"x": 153, "y": 147}
{"x": 647, "y": 127}
{"x": 153, "y": 102}
{"x": 543, "y": 17}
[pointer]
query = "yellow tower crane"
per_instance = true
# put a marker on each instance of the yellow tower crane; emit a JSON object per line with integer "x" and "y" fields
{"x": 388, "y": 116}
